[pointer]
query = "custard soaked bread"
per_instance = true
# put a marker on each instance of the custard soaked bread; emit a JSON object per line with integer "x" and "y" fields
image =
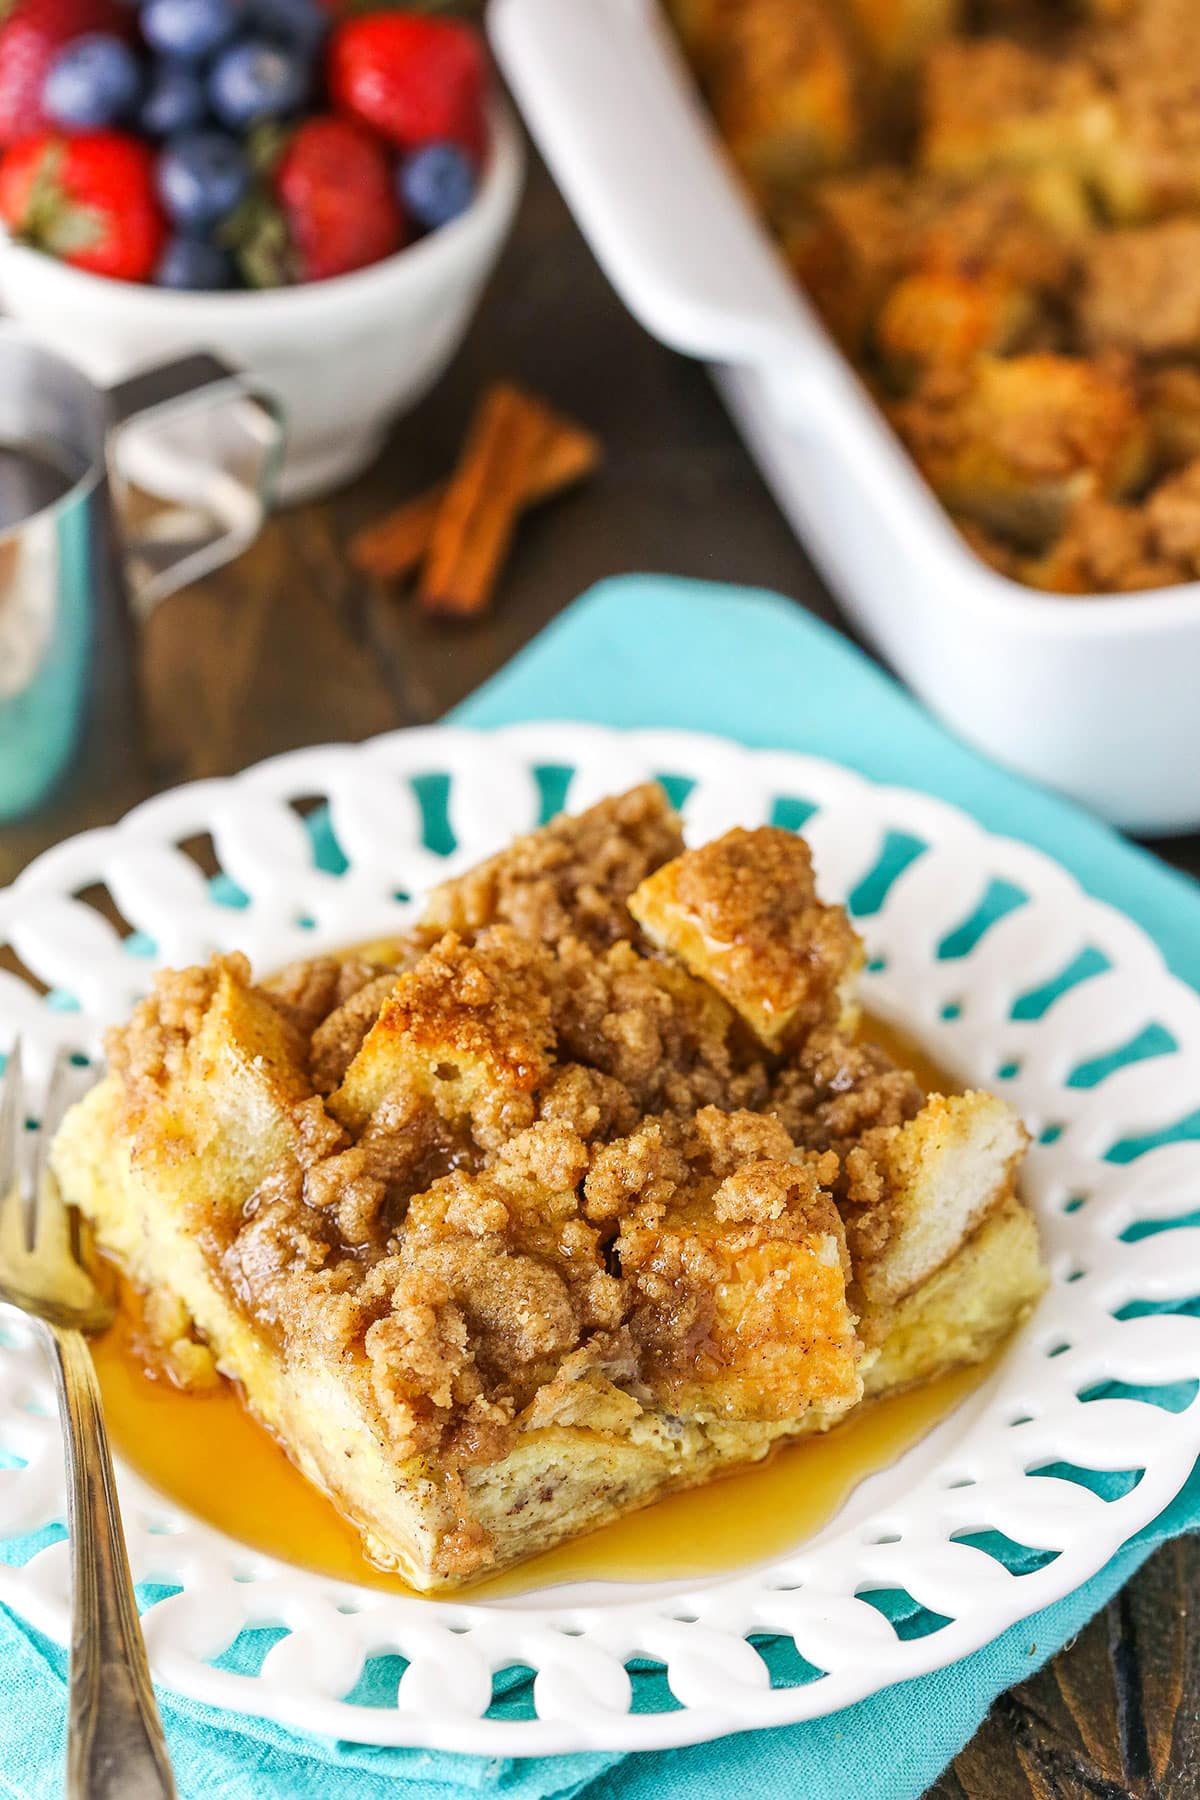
{"x": 581, "y": 1193}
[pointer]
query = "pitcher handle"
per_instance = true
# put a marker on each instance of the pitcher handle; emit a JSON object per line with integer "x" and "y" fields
{"x": 186, "y": 542}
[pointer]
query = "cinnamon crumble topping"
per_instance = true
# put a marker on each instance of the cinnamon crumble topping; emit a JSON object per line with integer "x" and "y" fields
{"x": 527, "y": 1145}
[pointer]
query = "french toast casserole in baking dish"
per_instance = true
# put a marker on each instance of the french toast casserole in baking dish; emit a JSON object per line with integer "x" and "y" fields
{"x": 941, "y": 256}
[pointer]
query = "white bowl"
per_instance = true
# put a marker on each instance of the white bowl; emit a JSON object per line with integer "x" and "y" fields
{"x": 1095, "y": 695}
{"x": 345, "y": 356}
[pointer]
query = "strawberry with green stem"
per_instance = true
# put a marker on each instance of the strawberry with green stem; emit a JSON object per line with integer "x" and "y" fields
{"x": 89, "y": 200}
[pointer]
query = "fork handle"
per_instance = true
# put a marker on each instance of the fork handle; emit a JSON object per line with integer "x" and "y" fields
{"x": 115, "y": 1744}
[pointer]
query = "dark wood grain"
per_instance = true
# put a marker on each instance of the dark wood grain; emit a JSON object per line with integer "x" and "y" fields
{"x": 289, "y": 647}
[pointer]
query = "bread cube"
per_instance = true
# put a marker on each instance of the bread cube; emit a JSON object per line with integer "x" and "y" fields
{"x": 1147, "y": 59}
{"x": 466, "y": 1031}
{"x": 936, "y": 317}
{"x": 1104, "y": 549}
{"x": 1140, "y": 290}
{"x": 965, "y": 1310}
{"x": 915, "y": 1192}
{"x": 990, "y": 104}
{"x": 850, "y": 242}
{"x": 786, "y": 88}
{"x": 742, "y": 913}
{"x": 1014, "y": 442}
{"x": 742, "y": 1315}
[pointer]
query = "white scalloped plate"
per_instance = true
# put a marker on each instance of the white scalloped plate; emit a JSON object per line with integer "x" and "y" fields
{"x": 970, "y": 984}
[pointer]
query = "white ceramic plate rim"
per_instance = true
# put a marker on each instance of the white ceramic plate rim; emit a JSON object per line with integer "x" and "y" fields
{"x": 899, "y": 1529}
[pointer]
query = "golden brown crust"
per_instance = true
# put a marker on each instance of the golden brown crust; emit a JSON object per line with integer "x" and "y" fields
{"x": 1127, "y": 549}
{"x": 788, "y": 90}
{"x": 991, "y": 103}
{"x": 1141, "y": 290}
{"x": 742, "y": 914}
{"x": 1015, "y": 442}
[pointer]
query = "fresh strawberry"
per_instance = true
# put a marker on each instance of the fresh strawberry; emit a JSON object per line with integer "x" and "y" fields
{"x": 334, "y": 184}
{"x": 88, "y": 199}
{"x": 328, "y": 204}
{"x": 416, "y": 80}
{"x": 31, "y": 35}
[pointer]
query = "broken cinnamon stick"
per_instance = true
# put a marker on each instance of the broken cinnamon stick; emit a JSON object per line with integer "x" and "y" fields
{"x": 479, "y": 510}
{"x": 394, "y": 546}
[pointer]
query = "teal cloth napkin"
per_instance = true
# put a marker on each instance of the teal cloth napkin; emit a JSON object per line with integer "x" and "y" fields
{"x": 653, "y": 651}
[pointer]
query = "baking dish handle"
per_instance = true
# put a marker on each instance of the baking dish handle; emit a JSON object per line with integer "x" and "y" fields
{"x": 605, "y": 93}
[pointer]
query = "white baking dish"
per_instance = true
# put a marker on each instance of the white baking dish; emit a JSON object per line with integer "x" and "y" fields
{"x": 1099, "y": 696}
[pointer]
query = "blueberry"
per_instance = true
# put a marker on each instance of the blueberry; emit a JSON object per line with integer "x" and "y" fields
{"x": 435, "y": 184}
{"x": 92, "y": 82}
{"x": 300, "y": 23}
{"x": 190, "y": 29}
{"x": 174, "y": 101}
{"x": 194, "y": 263}
{"x": 202, "y": 175}
{"x": 256, "y": 80}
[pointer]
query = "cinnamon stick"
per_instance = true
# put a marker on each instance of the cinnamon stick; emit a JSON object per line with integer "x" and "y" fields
{"x": 394, "y": 546}
{"x": 479, "y": 510}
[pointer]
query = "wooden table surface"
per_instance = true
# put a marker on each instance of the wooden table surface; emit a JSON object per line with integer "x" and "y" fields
{"x": 288, "y": 647}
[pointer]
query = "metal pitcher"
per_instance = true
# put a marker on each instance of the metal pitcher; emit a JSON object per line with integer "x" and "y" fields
{"x": 74, "y": 572}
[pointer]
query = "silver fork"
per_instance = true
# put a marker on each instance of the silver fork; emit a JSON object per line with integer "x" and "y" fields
{"x": 115, "y": 1744}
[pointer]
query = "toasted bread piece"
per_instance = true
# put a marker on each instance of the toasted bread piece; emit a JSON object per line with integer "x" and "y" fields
{"x": 984, "y": 266}
{"x": 918, "y": 1171}
{"x": 1147, "y": 58}
{"x": 467, "y": 1029}
{"x": 921, "y": 271}
{"x": 915, "y": 1192}
{"x": 1173, "y": 408}
{"x": 1117, "y": 108}
{"x": 990, "y": 104}
{"x": 965, "y": 1309}
{"x": 787, "y": 92}
{"x": 1106, "y": 549}
{"x": 1127, "y": 549}
{"x": 938, "y": 317}
{"x": 739, "y": 1293}
{"x": 849, "y": 241}
{"x": 897, "y": 33}
{"x": 1140, "y": 289}
{"x": 742, "y": 913}
{"x": 1014, "y": 442}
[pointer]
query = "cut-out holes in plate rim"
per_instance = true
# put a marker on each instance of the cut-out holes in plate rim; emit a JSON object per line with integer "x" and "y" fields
{"x": 986, "y": 951}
